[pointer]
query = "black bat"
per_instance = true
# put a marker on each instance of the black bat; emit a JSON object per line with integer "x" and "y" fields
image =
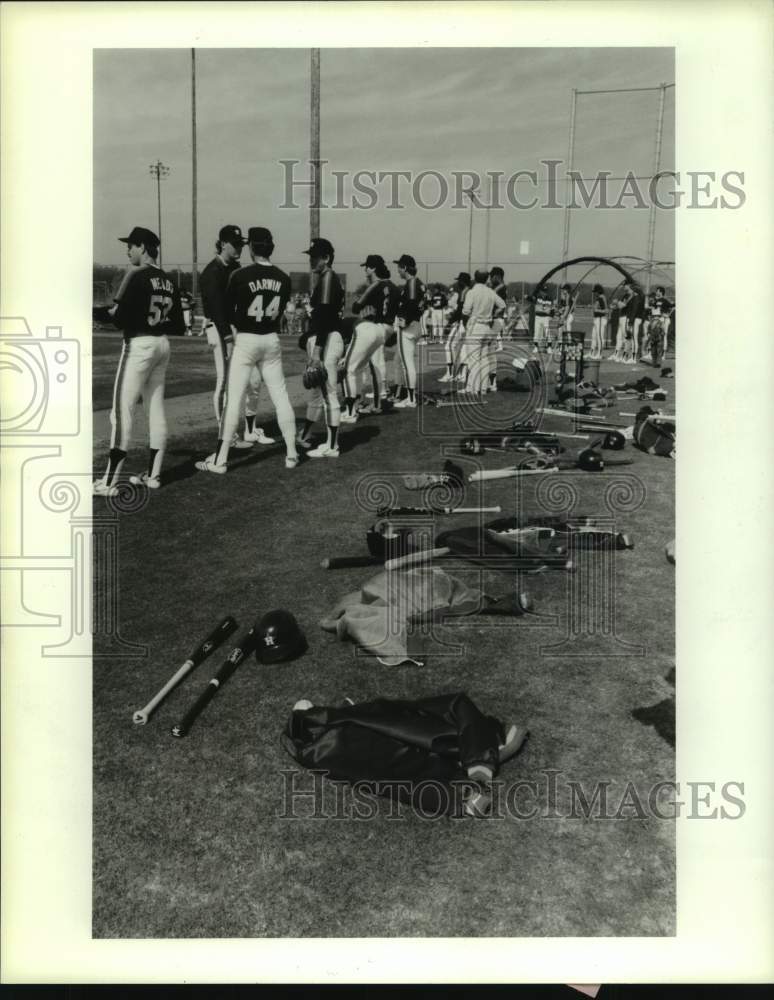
{"x": 243, "y": 648}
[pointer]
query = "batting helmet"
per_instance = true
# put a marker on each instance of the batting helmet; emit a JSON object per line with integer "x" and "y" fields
{"x": 279, "y": 638}
{"x": 590, "y": 461}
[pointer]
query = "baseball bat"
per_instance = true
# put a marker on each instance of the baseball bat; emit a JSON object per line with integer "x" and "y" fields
{"x": 243, "y": 648}
{"x": 347, "y": 562}
{"x": 416, "y": 558}
{"x": 486, "y": 474}
{"x": 386, "y": 512}
{"x": 656, "y": 417}
{"x": 200, "y": 653}
{"x": 582, "y": 418}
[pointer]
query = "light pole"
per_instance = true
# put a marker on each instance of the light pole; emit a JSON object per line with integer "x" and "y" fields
{"x": 159, "y": 171}
{"x": 471, "y": 195}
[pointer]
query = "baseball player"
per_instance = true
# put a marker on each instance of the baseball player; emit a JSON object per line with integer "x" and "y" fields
{"x": 567, "y": 303}
{"x": 660, "y": 310}
{"x": 324, "y": 345}
{"x": 599, "y": 324}
{"x": 213, "y": 282}
{"x": 256, "y": 297}
{"x": 497, "y": 284}
{"x": 375, "y": 308}
{"x": 455, "y": 352}
{"x": 544, "y": 309}
{"x": 412, "y": 296}
{"x": 147, "y": 308}
{"x": 438, "y": 303}
{"x": 623, "y": 304}
{"x": 479, "y": 308}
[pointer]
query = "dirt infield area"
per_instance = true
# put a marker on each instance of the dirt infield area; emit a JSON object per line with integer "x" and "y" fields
{"x": 194, "y": 837}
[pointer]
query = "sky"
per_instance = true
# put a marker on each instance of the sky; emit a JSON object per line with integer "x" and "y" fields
{"x": 381, "y": 109}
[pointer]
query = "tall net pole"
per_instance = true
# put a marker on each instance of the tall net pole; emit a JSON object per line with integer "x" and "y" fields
{"x": 656, "y": 169}
{"x": 314, "y": 144}
{"x": 194, "y": 248}
{"x": 570, "y": 160}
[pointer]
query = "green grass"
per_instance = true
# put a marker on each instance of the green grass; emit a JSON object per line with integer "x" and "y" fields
{"x": 188, "y": 838}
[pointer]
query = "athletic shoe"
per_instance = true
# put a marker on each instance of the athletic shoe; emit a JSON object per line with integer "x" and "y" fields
{"x": 446, "y": 378}
{"x": 478, "y": 805}
{"x": 491, "y": 388}
{"x": 481, "y": 772}
{"x": 303, "y": 706}
{"x": 323, "y": 451}
{"x": 347, "y": 418}
{"x": 291, "y": 461}
{"x": 461, "y": 378}
{"x": 152, "y": 482}
{"x": 241, "y": 444}
{"x": 256, "y": 436}
{"x": 370, "y": 410}
{"x": 209, "y": 465}
{"x": 304, "y": 442}
{"x": 406, "y": 404}
{"x": 369, "y": 395}
{"x": 101, "y": 489}
{"x": 514, "y": 741}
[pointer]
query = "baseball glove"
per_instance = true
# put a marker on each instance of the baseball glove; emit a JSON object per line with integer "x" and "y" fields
{"x": 315, "y": 376}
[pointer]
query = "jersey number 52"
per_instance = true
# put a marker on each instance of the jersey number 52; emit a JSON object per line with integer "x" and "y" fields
{"x": 158, "y": 309}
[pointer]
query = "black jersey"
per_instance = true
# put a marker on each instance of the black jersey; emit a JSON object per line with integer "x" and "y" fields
{"x": 412, "y": 295}
{"x": 327, "y": 302}
{"x": 502, "y": 291}
{"x": 256, "y": 297}
{"x": 600, "y": 304}
{"x": 213, "y": 284}
{"x": 661, "y": 306}
{"x": 378, "y": 302}
{"x": 148, "y": 304}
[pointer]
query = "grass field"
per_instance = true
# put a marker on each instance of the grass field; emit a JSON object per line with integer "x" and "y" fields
{"x": 189, "y": 839}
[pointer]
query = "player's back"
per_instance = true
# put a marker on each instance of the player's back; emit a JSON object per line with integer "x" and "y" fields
{"x": 148, "y": 304}
{"x": 256, "y": 298}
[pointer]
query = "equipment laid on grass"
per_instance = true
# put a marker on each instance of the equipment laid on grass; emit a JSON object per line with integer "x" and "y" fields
{"x": 430, "y": 753}
{"x": 243, "y": 648}
{"x": 428, "y": 511}
{"x": 218, "y": 635}
{"x": 279, "y": 638}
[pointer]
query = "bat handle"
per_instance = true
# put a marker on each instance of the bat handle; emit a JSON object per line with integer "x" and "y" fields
{"x": 142, "y": 715}
{"x": 184, "y": 726}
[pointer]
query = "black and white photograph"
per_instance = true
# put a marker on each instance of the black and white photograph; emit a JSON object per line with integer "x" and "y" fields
{"x": 362, "y": 621}
{"x": 404, "y": 329}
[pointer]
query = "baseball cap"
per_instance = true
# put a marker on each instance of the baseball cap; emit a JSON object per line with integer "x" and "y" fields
{"x": 140, "y": 237}
{"x": 374, "y": 260}
{"x": 405, "y": 260}
{"x": 320, "y": 247}
{"x": 232, "y": 235}
{"x": 463, "y": 276}
{"x": 259, "y": 234}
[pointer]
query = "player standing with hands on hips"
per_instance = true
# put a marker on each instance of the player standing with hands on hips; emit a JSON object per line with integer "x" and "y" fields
{"x": 212, "y": 283}
{"x": 147, "y": 308}
{"x": 256, "y": 297}
{"x": 324, "y": 345}
{"x": 412, "y": 295}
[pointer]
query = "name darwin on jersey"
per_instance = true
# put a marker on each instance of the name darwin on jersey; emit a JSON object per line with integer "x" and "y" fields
{"x": 265, "y": 285}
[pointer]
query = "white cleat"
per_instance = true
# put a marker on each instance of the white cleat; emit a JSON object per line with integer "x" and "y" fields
{"x": 152, "y": 482}
{"x": 323, "y": 451}
{"x": 406, "y": 404}
{"x": 304, "y": 442}
{"x": 101, "y": 489}
{"x": 349, "y": 418}
{"x": 446, "y": 378}
{"x": 257, "y": 436}
{"x": 291, "y": 461}
{"x": 240, "y": 444}
{"x": 210, "y": 465}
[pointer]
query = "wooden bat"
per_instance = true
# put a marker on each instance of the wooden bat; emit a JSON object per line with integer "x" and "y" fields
{"x": 347, "y": 562}
{"x": 657, "y": 417}
{"x": 218, "y": 635}
{"x": 486, "y": 474}
{"x": 582, "y": 418}
{"x": 416, "y": 558}
{"x": 387, "y": 512}
{"x": 243, "y": 648}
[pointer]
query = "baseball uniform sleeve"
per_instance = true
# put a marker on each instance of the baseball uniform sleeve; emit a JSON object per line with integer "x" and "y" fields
{"x": 214, "y": 300}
